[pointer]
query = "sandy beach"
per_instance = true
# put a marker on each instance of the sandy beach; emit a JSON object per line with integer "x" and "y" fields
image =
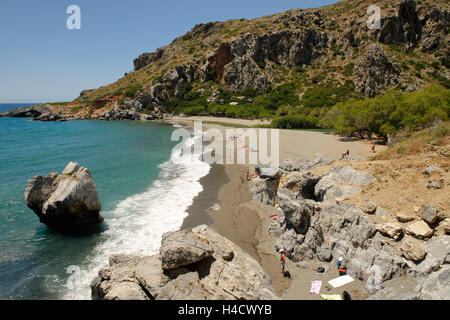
{"x": 244, "y": 221}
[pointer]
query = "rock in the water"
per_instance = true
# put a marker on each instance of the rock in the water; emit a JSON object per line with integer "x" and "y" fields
{"x": 26, "y": 112}
{"x": 419, "y": 230}
{"x": 183, "y": 248}
{"x": 430, "y": 214}
{"x": 228, "y": 274}
{"x": 413, "y": 249}
{"x": 67, "y": 201}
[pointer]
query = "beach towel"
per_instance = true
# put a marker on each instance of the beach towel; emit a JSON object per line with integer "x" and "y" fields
{"x": 315, "y": 286}
{"x": 331, "y": 296}
{"x": 339, "y": 282}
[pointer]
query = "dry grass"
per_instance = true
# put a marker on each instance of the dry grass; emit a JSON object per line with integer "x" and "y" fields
{"x": 422, "y": 141}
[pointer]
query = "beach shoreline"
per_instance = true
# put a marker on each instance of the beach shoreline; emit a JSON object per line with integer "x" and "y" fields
{"x": 245, "y": 222}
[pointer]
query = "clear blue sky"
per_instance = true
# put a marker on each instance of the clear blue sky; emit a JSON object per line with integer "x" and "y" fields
{"x": 43, "y": 61}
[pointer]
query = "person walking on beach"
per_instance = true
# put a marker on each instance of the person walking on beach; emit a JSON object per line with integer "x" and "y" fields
{"x": 283, "y": 261}
{"x": 373, "y": 148}
{"x": 346, "y": 155}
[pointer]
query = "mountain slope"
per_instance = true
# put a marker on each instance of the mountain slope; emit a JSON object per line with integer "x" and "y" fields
{"x": 302, "y": 58}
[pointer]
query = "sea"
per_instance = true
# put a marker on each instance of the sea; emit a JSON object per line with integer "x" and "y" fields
{"x": 132, "y": 164}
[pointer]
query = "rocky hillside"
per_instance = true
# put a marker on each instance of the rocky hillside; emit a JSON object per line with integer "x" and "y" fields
{"x": 302, "y": 57}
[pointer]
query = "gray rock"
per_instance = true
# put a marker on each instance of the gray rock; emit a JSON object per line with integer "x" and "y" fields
{"x": 268, "y": 172}
{"x": 33, "y": 111}
{"x": 263, "y": 190}
{"x": 184, "y": 287}
{"x": 324, "y": 254}
{"x": 301, "y": 184}
{"x": 301, "y": 165}
{"x": 374, "y": 72}
{"x": 404, "y": 26}
{"x": 341, "y": 182}
{"x": 297, "y": 212}
{"x": 431, "y": 169}
{"x": 413, "y": 249}
{"x": 430, "y": 214}
{"x": 65, "y": 202}
{"x": 369, "y": 207}
{"x": 437, "y": 285}
{"x": 183, "y": 248}
{"x": 438, "y": 250}
{"x": 229, "y": 274}
{"x": 438, "y": 184}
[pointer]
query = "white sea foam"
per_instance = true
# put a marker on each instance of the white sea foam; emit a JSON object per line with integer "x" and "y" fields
{"x": 137, "y": 224}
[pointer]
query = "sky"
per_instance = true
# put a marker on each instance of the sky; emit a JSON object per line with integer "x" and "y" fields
{"x": 41, "y": 60}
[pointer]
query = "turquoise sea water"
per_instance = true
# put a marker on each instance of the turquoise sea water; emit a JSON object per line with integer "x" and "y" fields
{"x": 130, "y": 162}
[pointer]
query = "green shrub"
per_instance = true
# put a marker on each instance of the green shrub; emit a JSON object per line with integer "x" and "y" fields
{"x": 386, "y": 114}
{"x": 131, "y": 90}
{"x": 295, "y": 122}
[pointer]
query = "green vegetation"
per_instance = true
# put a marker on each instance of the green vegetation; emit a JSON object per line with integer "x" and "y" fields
{"x": 131, "y": 90}
{"x": 389, "y": 113}
{"x": 75, "y": 109}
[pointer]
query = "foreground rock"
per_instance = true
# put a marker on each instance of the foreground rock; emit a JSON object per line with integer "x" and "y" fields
{"x": 66, "y": 201}
{"x": 192, "y": 265}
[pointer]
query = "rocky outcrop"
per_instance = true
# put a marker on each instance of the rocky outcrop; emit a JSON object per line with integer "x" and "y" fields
{"x": 67, "y": 201}
{"x": 374, "y": 72}
{"x": 404, "y": 26}
{"x": 264, "y": 190}
{"x": 341, "y": 182}
{"x": 252, "y": 53}
{"x": 147, "y": 58}
{"x": 37, "y": 112}
{"x": 192, "y": 265}
{"x": 303, "y": 164}
{"x": 33, "y": 111}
